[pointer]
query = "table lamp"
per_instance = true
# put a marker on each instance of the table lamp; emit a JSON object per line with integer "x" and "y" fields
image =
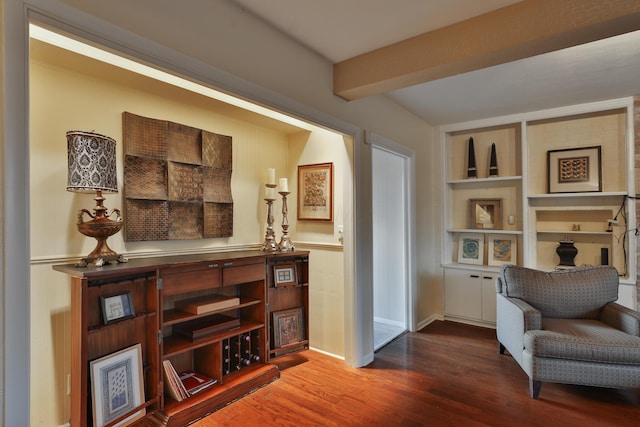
{"x": 92, "y": 168}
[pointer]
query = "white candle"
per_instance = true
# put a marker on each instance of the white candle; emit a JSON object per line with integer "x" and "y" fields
{"x": 269, "y": 193}
{"x": 271, "y": 176}
{"x": 283, "y": 185}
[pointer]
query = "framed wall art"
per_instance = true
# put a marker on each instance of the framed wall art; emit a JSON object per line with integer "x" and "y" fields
{"x": 284, "y": 275}
{"x": 116, "y": 307}
{"x": 574, "y": 170}
{"x": 485, "y": 213}
{"x": 471, "y": 248}
{"x": 288, "y": 327}
{"x": 502, "y": 250}
{"x": 117, "y": 386}
{"x": 315, "y": 192}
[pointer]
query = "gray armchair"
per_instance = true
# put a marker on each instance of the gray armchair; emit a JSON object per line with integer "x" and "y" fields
{"x": 564, "y": 327}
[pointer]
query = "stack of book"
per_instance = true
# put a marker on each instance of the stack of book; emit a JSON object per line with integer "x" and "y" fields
{"x": 205, "y": 326}
{"x": 195, "y": 382}
{"x": 187, "y": 383}
{"x": 207, "y": 304}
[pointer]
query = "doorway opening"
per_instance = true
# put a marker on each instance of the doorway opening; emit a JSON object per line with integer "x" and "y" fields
{"x": 391, "y": 213}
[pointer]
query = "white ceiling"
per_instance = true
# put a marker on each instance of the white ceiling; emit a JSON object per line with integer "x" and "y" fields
{"x": 341, "y": 29}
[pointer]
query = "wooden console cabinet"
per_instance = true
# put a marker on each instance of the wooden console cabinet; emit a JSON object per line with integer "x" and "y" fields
{"x": 157, "y": 286}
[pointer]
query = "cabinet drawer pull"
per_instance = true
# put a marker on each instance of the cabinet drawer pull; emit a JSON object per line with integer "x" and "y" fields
{"x": 488, "y": 277}
{"x": 213, "y": 265}
{"x": 228, "y": 264}
{"x": 475, "y": 276}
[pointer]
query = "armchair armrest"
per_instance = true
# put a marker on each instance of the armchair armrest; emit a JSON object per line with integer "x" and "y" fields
{"x": 622, "y": 318}
{"x": 514, "y": 318}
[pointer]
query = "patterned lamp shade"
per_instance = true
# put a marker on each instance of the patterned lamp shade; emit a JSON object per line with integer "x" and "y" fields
{"x": 92, "y": 162}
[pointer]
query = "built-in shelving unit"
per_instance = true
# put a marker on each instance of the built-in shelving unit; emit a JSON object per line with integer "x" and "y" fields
{"x": 537, "y": 218}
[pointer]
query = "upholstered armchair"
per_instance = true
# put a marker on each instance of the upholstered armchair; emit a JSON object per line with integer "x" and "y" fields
{"x": 564, "y": 327}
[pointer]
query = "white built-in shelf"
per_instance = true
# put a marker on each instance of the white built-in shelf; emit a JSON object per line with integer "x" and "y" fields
{"x": 484, "y": 268}
{"x": 593, "y": 233}
{"x": 483, "y": 230}
{"x": 567, "y": 195}
{"x": 484, "y": 180}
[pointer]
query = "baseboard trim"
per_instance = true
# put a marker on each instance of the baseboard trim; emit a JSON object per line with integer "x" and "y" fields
{"x": 472, "y": 322}
{"x": 429, "y": 320}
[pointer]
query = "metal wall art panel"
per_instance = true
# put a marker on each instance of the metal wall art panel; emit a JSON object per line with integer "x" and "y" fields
{"x": 177, "y": 181}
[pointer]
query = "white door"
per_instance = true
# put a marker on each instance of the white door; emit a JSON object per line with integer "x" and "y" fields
{"x": 391, "y": 246}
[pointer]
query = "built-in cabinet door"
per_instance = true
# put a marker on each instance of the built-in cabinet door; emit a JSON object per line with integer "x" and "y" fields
{"x": 462, "y": 293}
{"x": 470, "y": 294}
{"x": 489, "y": 297}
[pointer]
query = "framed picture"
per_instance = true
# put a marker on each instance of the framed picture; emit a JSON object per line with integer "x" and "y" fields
{"x": 502, "y": 249}
{"x": 315, "y": 192}
{"x": 116, "y": 307}
{"x": 117, "y": 386}
{"x": 284, "y": 275}
{"x": 471, "y": 248}
{"x": 574, "y": 170}
{"x": 288, "y": 327}
{"x": 485, "y": 213}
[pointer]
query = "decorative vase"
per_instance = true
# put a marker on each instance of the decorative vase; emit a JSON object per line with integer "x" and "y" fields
{"x": 472, "y": 172}
{"x": 567, "y": 253}
{"x": 493, "y": 161}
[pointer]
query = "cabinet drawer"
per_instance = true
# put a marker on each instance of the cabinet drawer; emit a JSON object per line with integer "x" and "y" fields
{"x": 234, "y": 274}
{"x": 191, "y": 279}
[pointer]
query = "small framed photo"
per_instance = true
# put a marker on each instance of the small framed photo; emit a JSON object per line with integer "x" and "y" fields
{"x": 574, "y": 170}
{"x": 116, "y": 307}
{"x": 284, "y": 275}
{"x": 315, "y": 192}
{"x": 503, "y": 250}
{"x": 485, "y": 213}
{"x": 117, "y": 387}
{"x": 288, "y": 327}
{"x": 471, "y": 248}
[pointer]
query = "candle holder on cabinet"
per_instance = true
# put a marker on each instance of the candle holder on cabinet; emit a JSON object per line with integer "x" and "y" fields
{"x": 269, "y": 244}
{"x": 285, "y": 244}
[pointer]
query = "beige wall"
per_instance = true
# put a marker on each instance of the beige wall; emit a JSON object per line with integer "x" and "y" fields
{"x": 70, "y": 92}
{"x": 226, "y": 48}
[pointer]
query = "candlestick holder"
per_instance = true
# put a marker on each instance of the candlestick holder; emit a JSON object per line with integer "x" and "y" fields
{"x": 285, "y": 245}
{"x": 269, "y": 244}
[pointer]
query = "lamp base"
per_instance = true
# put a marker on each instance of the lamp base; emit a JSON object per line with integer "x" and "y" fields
{"x": 100, "y": 228}
{"x": 99, "y": 262}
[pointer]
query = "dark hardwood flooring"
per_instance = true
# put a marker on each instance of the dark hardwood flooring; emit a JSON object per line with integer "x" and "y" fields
{"x": 447, "y": 374}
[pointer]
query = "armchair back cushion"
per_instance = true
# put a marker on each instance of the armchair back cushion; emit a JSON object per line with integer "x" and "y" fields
{"x": 579, "y": 293}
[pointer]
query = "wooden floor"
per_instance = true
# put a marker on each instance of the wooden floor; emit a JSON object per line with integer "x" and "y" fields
{"x": 448, "y": 374}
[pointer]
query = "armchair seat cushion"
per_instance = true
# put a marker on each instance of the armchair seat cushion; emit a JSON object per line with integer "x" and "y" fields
{"x": 582, "y": 339}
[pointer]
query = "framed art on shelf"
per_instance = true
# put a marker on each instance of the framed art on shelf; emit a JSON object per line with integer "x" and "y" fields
{"x": 116, "y": 307}
{"x": 574, "y": 170}
{"x": 117, "y": 387}
{"x": 315, "y": 192}
{"x": 502, "y": 250}
{"x": 485, "y": 213}
{"x": 284, "y": 275}
{"x": 471, "y": 248}
{"x": 288, "y": 327}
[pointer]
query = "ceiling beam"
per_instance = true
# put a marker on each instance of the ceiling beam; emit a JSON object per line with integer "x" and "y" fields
{"x": 522, "y": 30}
